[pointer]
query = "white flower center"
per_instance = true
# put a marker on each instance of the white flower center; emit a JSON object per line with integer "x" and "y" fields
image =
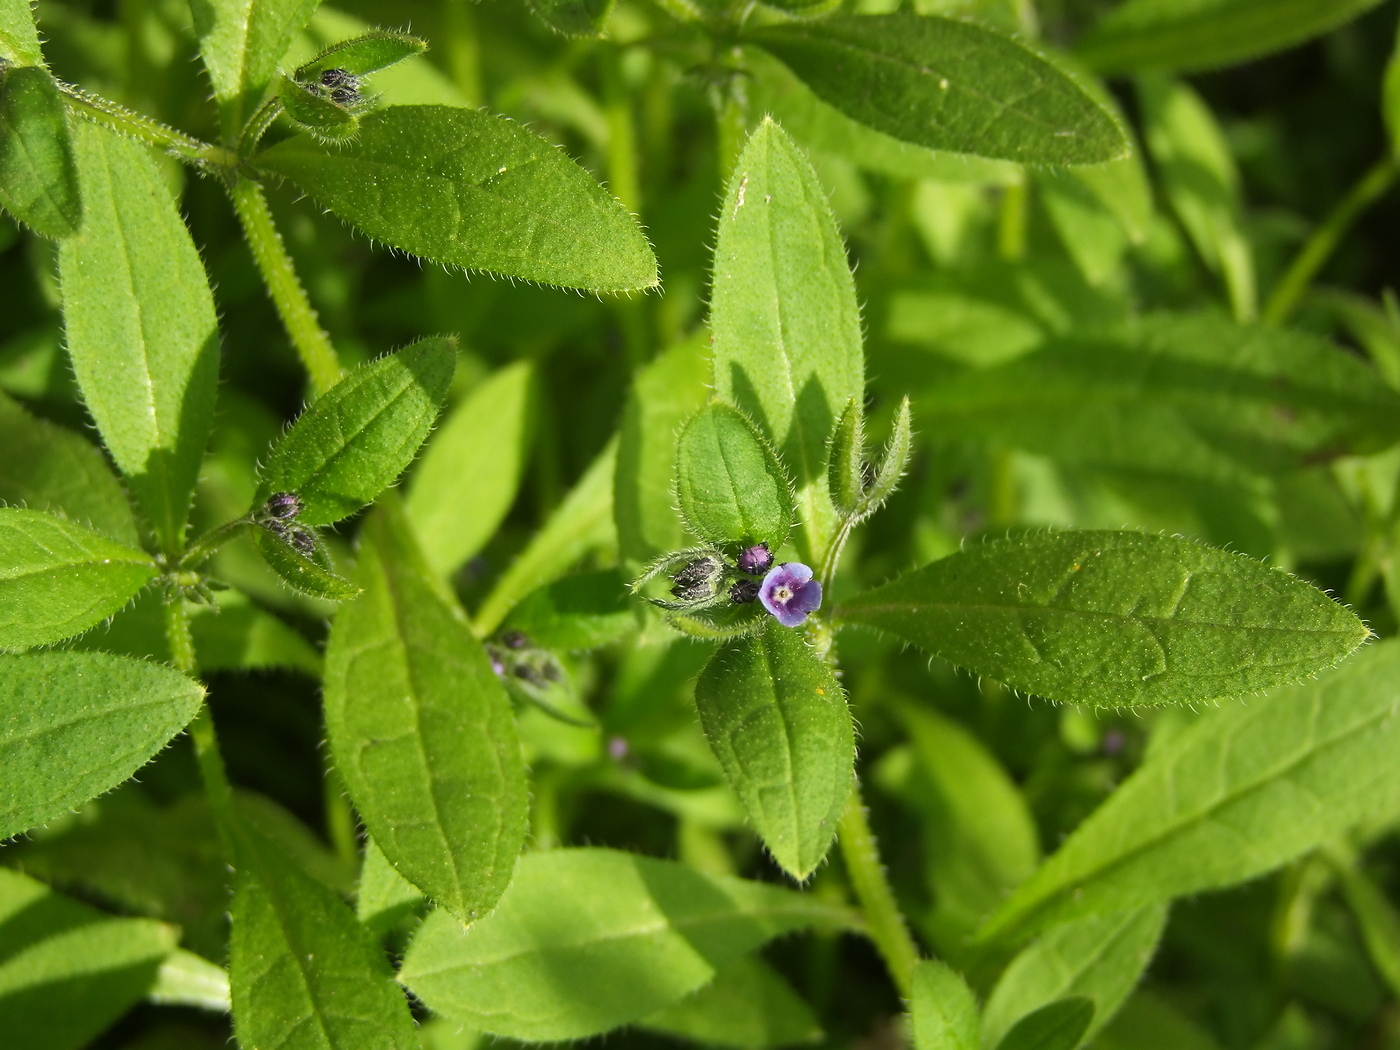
{"x": 782, "y": 594}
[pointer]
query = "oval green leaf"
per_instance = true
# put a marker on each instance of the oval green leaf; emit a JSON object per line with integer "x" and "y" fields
{"x": 242, "y": 42}
{"x": 777, "y": 720}
{"x": 57, "y": 579}
{"x": 729, "y": 484}
{"x": 942, "y": 1009}
{"x": 421, "y": 729}
{"x": 1114, "y": 619}
{"x": 748, "y": 1006}
{"x": 586, "y": 940}
{"x": 948, "y": 84}
{"x": 78, "y": 724}
{"x": 355, "y": 439}
{"x": 303, "y": 574}
{"x": 1056, "y": 1026}
{"x": 19, "y": 38}
{"x": 38, "y": 177}
{"x": 363, "y": 54}
{"x": 465, "y": 188}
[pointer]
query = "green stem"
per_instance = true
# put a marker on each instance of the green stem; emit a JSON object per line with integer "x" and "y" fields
{"x": 1325, "y": 238}
{"x": 109, "y": 114}
{"x": 201, "y": 730}
{"x": 204, "y": 547}
{"x": 257, "y": 126}
{"x": 872, "y": 889}
{"x": 312, "y": 344}
{"x": 833, "y": 553}
{"x": 1011, "y": 223}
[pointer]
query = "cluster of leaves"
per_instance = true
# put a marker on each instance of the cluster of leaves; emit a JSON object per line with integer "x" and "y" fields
{"x": 262, "y": 772}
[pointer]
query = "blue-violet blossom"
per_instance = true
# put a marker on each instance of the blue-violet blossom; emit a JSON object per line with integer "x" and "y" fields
{"x": 790, "y": 593}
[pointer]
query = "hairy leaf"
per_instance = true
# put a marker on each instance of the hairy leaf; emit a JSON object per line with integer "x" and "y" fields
{"x": 776, "y": 719}
{"x": 140, "y": 326}
{"x": 355, "y": 439}
{"x": 948, "y": 84}
{"x": 78, "y": 724}
{"x": 1060, "y": 1025}
{"x": 1243, "y": 790}
{"x": 1190, "y": 35}
{"x": 466, "y": 188}
{"x": 310, "y": 576}
{"x": 748, "y": 1006}
{"x": 364, "y": 54}
{"x": 1114, "y": 618}
{"x": 729, "y": 484}
{"x": 19, "y": 39}
{"x": 573, "y": 17}
{"x": 242, "y": 42}
{"x": 421, "y": 728}
{"x": 472, "y": 466}
{"x": 943, "y": 1010}
{"x": 579, "y": 612}
{"x": 38, "y": 177}
{"x": 383, "y": 897}
{"x": 57, "y": 579}
{"x": 586, "y": 940}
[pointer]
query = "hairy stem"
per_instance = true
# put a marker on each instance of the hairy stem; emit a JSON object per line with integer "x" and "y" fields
{"x": 872, "y": 889}
{"x": 257, "y": 126}
{"x": 109, "y": 114}
{"x": 203, "y": 548}
{"x": 1325, "y": 238}
{"x": 312, "y": 344}
{"x": 201, "y": 730}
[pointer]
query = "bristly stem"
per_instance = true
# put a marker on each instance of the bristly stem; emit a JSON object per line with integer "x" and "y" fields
{"x": 872, "y": 889}
{"x": 1325, "y": 238}
{"x": 257, "y": 126}
{"x": 204, "y": 547}
{"x": 201, "y": 730}
{"x": 104, "y": 111}
{"x": 312, "y": 343}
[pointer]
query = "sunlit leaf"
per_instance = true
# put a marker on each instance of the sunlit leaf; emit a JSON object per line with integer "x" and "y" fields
{"x": 38, "y": 177}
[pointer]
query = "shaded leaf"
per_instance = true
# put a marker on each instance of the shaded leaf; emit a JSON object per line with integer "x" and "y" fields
{"x": 587, "y": 940}
{"x": 383, "y": 897}
{"x": 943, "y": 1010}
{"x": 579, "y": 612}
{"x": 186, "y": 979}
{"x": 466, "y": 188}
{"x": 38, "y": 177}
{"x": 1058, "y": 1026}
{"x": 729, "y": 485}
{"x": 310, "y": 576}
{"x": 1147, "y": 1022}
{"x": 242, "y": 42}
{"x": 573, "y": 17}
{"x": 748, "y": 1006}
{"x": 325, "y": 119}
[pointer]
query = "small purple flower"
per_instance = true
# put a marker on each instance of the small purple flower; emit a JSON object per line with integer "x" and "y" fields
{"x": 757, "y": 560}
{"x": 790, "y": 593}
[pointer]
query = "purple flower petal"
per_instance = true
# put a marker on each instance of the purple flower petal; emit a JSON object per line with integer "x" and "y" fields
{"x": 756, "y": 559}
{"x": 790, "y": 593}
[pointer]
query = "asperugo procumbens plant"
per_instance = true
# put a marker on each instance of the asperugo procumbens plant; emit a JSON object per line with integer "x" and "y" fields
{"x": 761, "y": 450}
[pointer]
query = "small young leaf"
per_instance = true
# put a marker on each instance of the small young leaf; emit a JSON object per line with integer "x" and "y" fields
{"x": 323, "y": 118}
{"x": 1056, "y": 1026}
{"x": 943, "y": 1010}
{"x": 305, "y": 975}
{"x": 587, "y": 940}
{"x": 186, "y": 979}
{"x": 354, "y": 440}
{"x": 1100, "y": 958}
{"x": 38, "y": 178}
{"x": 421, "y": 728}
{"x": 573, "y": 17}
{"x": 68, "y": 971}
{"x": 19, "y": 39}
{"x": 777, "y": 720}
{"x": 845, "y": 469}
{"x": 948, "y": 85}
{"x": 48, "y": 467}
{"x": 1206, "y": 34}
{"x": 893, "y": 463}
{"x": 57, "y": 579}
{"x": 363, "y": 55}
{"x": 242, "y": 42}
{"x": 78, "y": 724}
{"x": 1114, "y": 619}
{"x": 471, "y": 468}
{"x": 466, "y": 188}
{"x": 729, "y": 484}
{"x": 748, "y": 1006}
{"x": 1243, "y": 790}
{"x": 140, "y": 326}
{"x": 578, "y": 612}
{"x": 306, "y": 575}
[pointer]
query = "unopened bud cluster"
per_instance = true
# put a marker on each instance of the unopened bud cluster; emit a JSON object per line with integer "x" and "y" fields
{"x": 706, "y": 578}
{"x": 278, "y": 516}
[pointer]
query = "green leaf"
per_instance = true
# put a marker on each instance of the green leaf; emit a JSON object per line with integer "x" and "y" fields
{"x": 186, "y": 979}
{"x": 383, "y": 897}
{"x": 365, "y": 54}
{"x": 587, "y": 940}
{"x": 140, "y": 327}
{"x": 777, "y": 720}
{"x": 748, "y": 1006}
{"x": 1199, "y": 178}
{"x": 1376, "y": 918}
{"x": 67, "y": 971}
{"x": 78, "y": 724}
{"x": 1146, "y": 1022}
{"x": 48, "y": 467}
{"x": 324, "y": 119}
{"x": 1206, "y": 34}
{"x": 787, "y": 341}
{"x": 472, "y": 466}
{"x": 1175, "y": 394}
{"x": 1114, "y": 619}
{"x": 355, "y": 439}
{"x": 1243, "y": 790}
{"x": 948, "y": 85}
{"x": 242, "y": 42}
{"x": 1058, "y": 1026}
{"x": 465, "y": 188}
{"x": 583, "y": 522}
{"x": 305, "y": 974}
{"x": 729, "y": 485}
{"x": 573, "y": 17}
{"x": 38, "y": 177}
{"x": 888, "y": 472}
{"x": 421, "y": 728}
{"x": 236, "y": 635}
{"x": 1099, "y": 958}
{"x": 19, "y": 39}
{"x": 943, "y": 1010}
{"x": 664, "y": 394}
{"x": 845, "y": 469}
{"x": 579, "y": 612}
{"x": 57, "y": 579}
{"x": 310, "y": 576}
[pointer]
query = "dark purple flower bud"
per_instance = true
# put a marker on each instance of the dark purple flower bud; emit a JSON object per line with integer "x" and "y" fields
{"x": 497, "y": 663}
{"x": 790, "y": 593}
{"x": 304, "y": 542}
{"x": 528, "y": 674}
{"x": 283, "y": 505}
{"x": 743, "y": 592}
{"x": 515, "y": 639}
{"x": 344, "y": 96}
{"x": 757, "y": 560}
{"x": 700, "y": 571}
{"x": 334, "y": 78}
